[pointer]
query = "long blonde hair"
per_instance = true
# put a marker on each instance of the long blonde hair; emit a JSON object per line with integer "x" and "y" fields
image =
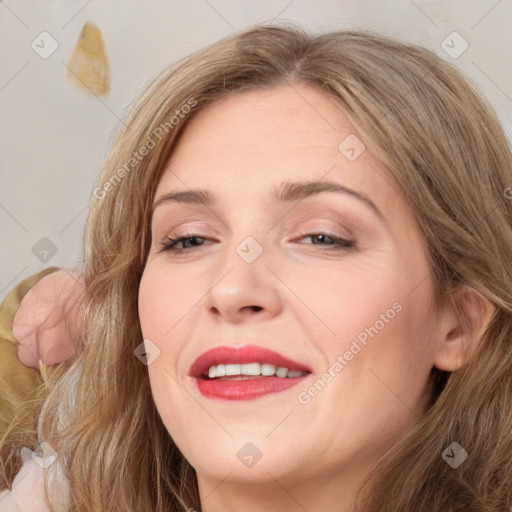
{"x": 445, "y": 147}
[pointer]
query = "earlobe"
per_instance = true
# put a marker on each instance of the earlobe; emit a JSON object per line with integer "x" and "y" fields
{"x": 466, "y": 319}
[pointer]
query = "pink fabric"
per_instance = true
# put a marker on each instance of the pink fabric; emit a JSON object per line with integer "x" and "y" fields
{"x": 27, "y": 493}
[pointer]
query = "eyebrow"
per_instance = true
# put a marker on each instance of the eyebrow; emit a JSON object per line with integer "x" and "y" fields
{"x": 286, "y": 192}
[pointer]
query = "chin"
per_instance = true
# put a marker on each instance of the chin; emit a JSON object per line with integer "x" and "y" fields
{"x": 243, "y": 457}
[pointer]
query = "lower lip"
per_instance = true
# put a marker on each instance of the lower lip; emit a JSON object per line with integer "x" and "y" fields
{"x": 247, "y": 389}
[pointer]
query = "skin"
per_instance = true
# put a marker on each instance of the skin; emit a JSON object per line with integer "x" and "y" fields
{"x": 313, "y": 302}
{"x": 45, "y": 324}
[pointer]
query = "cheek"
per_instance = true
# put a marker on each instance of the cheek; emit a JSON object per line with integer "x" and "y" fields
{"x": 162, "y": 302}
{"x": 165, "y": 297}
{"x": 339, "y": 303}
{"x": 167, "y": 301}
{"x": 376, "y": 315}
{"x": 397, "y": 344}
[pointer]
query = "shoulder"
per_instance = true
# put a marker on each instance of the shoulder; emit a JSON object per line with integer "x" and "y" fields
{"x": 27, "y": 494}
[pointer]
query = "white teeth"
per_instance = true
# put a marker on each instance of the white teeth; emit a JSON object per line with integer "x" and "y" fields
{"x": 282, "y": 372}
{"x": 268, "y": 369}
{"x": 233, "y": 369}
{"x": 252, "y": 369}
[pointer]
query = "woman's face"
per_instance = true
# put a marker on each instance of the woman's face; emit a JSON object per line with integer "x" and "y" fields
{"x": 261, "y": 282}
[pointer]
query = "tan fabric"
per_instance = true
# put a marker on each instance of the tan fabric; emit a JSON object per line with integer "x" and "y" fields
{"x": 18, "y": 378}
{"x": 16, "y": 383}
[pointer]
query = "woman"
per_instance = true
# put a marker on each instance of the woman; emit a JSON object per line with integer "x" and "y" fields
{"x": 312, "y": 237}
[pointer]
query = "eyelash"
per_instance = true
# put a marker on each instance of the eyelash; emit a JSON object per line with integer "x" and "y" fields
{"x": 339, "y": 244}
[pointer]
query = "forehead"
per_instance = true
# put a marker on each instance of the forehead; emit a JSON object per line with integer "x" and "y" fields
{"x": 248, "y": 143}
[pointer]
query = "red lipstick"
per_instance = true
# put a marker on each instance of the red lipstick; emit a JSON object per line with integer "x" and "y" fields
{"x": 244, "y": 387}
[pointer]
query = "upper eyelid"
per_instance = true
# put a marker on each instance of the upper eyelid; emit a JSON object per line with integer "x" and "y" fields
{"x": 202, "y": 229}
{"x": 285, "y": 192}
{"x": 295, "y": 225}
{"x": 195, "y": 202}
{"x": 310, "y": 215}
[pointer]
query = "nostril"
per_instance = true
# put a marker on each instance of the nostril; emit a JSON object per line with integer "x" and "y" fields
{"x": 256, "y": 308}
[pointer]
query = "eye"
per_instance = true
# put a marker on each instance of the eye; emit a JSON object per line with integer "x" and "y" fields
{"x": 332, "y": 242}
{"x": 193, "y": 241}
{"x": 189, "y": 241}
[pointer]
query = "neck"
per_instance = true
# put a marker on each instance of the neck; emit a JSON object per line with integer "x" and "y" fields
{"x": 270, "y": 493}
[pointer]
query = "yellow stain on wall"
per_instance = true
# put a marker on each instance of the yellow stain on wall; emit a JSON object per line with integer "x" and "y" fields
{"x": 88, "y": 67}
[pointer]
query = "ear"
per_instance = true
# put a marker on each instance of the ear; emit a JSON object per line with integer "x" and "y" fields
{"x": 463, "y": 321}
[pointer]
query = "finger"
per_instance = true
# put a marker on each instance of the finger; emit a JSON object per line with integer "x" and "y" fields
{"x": 23, "y": 324}
{"x": 29, "y": 318}
{"x": 56, "y": 345}
{"x": 27, "y": 354}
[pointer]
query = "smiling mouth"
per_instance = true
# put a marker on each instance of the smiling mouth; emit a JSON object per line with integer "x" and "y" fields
{"x": 247, "y": 371}
{"x": 247, "y": 381}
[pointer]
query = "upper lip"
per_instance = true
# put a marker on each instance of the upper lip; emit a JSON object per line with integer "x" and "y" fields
{"x": 242, "y": 355}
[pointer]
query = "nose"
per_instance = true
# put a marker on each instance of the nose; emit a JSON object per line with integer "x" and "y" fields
{"x": 242, "y": 290}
